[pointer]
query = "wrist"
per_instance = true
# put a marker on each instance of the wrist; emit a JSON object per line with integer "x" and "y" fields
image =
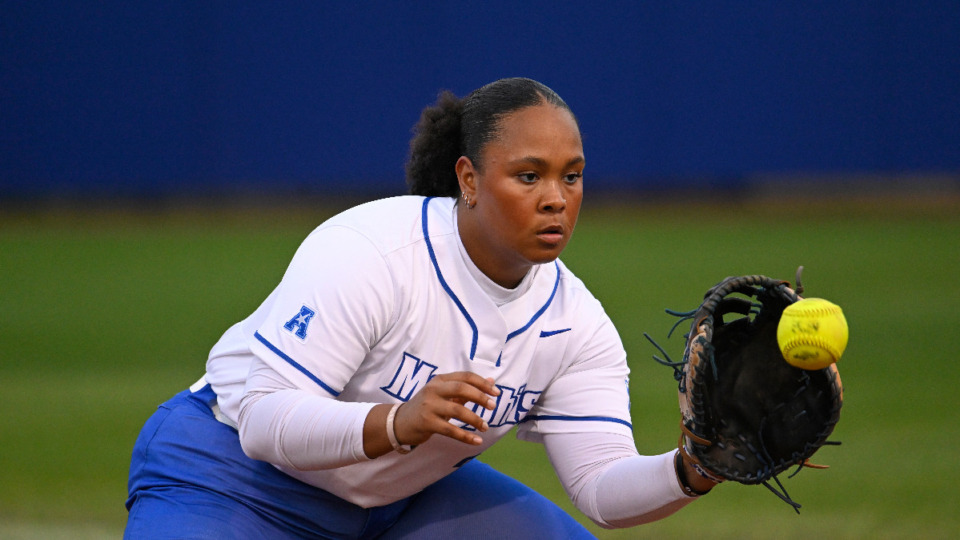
{"x": 691, "y": 482}
{"x": 392, "y": 432}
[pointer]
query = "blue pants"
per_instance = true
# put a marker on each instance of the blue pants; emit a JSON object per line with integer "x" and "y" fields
{"x": 189, "y": 478}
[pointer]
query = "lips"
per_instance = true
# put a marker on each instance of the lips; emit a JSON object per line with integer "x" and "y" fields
{"x": 552, "y": 234}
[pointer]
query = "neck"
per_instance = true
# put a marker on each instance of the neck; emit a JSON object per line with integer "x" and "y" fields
{"x": 491, "y": 260}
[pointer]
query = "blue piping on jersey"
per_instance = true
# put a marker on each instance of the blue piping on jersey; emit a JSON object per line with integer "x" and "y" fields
{"x": 294, "y": 363}
{"x": 537, "y": 315}
{"x": 548, "y": 333}
{"x": 577, "y": 418}
{"x": 463, "y": 310}
{"x": 443, "y": 282}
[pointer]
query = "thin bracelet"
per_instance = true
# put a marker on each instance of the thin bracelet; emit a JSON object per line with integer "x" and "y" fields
{"x": 392, "y": 434}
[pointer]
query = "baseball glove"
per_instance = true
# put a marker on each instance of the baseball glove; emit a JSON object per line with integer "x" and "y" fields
{"x": 746, "y": 414}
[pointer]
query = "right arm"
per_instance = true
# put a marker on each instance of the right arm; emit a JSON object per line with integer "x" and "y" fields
{"x": 288, "y": 414}
{"x": 304, "y": 431}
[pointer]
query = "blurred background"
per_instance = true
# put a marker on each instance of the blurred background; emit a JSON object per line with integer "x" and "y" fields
{"x": 113, "y": 98}
{"x": 160, "y": 162}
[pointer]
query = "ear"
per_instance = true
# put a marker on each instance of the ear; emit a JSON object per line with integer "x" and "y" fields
{"x": 467, "y": 176}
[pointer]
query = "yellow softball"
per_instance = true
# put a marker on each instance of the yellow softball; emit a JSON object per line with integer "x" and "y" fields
{"x": 812, "y": 333}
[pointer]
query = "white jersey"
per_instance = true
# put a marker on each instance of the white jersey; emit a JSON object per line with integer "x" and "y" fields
{"x": 380, "y": 298}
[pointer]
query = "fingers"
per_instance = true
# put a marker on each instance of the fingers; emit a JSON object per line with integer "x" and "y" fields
{"x": 446, "y": 398}
{"x": 430, "y": 411}
{"x": 465, "y": 387}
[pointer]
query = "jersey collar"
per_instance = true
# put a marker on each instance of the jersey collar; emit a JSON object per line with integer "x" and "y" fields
{"x": 491, "y": 327}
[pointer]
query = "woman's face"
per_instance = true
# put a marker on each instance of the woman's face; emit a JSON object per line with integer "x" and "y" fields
{"x": 527, "y": 191}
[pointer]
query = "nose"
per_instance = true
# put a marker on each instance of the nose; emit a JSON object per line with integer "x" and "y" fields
{"x": 552, "y": 197}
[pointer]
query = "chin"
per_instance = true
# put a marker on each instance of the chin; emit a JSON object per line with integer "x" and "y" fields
{"x": 544, "y": 257}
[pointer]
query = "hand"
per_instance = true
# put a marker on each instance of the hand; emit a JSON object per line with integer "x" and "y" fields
{"x": 430, "y": 410}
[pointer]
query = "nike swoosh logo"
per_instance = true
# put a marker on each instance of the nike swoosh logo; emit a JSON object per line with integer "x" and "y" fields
{"x": 548, "y": 333}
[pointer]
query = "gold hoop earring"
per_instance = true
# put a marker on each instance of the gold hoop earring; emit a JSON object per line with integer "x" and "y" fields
{"x": 466, "y": 201}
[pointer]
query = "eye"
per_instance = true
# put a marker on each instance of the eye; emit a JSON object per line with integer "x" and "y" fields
{"x": 528, "y": 177}
{"x": 573, "y": 178}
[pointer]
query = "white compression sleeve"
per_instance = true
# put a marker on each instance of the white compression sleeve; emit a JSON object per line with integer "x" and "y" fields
{"x": 296, "y": 429}
{"x": 611, "y": 483}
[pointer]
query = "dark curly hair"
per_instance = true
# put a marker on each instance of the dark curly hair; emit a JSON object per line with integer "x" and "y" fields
{"x": 455, "y": 127}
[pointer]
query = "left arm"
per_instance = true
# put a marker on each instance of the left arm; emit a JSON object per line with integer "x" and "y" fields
{"x": 611, "y": 483}
{"x": 600, "y": 469}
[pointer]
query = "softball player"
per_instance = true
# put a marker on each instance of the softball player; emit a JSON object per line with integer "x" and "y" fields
{"x": 407, "y": 336}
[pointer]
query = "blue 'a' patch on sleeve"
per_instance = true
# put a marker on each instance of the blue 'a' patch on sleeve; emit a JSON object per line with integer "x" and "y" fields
{"x": 298, "y": 324}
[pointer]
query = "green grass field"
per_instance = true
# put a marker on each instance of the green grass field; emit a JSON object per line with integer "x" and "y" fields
{"x": 106, "y": 313}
